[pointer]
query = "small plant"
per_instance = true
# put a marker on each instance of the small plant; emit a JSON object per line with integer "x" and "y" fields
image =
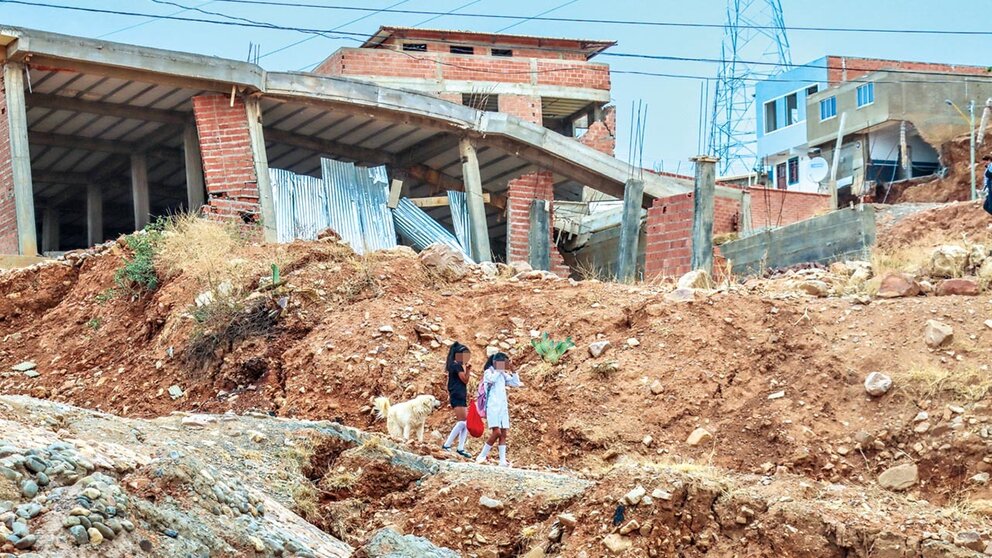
{"x": 275, "y": 274}
{"x": 549, "y": 349}
{"x": 106, "y": 295}
{"x": 138, "y": 274}
{"x": 94, "y": 323}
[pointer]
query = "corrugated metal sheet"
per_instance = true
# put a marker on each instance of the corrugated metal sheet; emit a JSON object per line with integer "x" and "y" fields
{"x": 420, "y": 230}
{"x": 459, "y": 219}
{"x": 356, "y": 206}
{"x": 300, "y": 203}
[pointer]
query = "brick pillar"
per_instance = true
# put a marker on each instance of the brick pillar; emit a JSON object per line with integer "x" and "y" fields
{"x": 8, "y": 212}
{"x": 228, "y": 164}
{"x": 521, "y": 191}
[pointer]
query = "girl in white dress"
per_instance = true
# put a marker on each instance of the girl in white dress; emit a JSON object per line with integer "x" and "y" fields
{"x": 496, "y": 378}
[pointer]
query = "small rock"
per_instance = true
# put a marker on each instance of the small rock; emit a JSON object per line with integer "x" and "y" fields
{"x": 921, "y": 427}
{"x": 171, "y": 533}
{"x": 681, "y": 295}
{"x": 631, "y": 526}
{"x": 647, "y": 440}
{"x": 95, "y": 537}
{"x": 29, "y": 489}
{"x": 815, "y": 288}
{"x": 175, "y": 392}
{"x": 936, "y": 334}
{"x": 877, "y": 384}
{"x": 633, "y": 342}
{"x": 988, "y": 324}
{"x": 948, "y": 261}
{"x": 659, "y": 494}
{"x": 657, "y": 388}
{"x": 78, "y": 533}
{"x": 568, "y": 520}
{"x": 969, "y": 539}
{"x": 104, "y": 530}
{"x": 633, "y": 497}
{"x": 385, "y": 329}
{"x": 616, "y": 544}
{"x": 960, "y": 287}
{"x": 898, "y": 285}
{"x": 35, "y": 464}
{"x": 980, "y": 478}
{"x": 491, "y": 503}
{"x": 777, "y": 395}
{"x": 899, "y": 477}
{"x": 597, "y": 348}
{"x": 24, "y": 366}
{"x": 699, "y": 436}
{"x": 921, "y": 416}
{"x": 198, "y": 421}
{"x": 26, "y": 542}
{"x": 697, "y": 279}
{"x": 256, "y": 436}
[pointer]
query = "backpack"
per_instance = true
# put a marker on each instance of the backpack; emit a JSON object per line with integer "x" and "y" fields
{"x": 482, "y": 397}
{"x": 474, "y": 422}
{"x": 987, "y": 206}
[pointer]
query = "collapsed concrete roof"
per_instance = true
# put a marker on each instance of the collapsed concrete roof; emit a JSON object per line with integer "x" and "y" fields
{"x": 137, "y": 98}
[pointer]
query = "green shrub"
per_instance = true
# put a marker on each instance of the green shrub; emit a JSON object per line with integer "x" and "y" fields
{"x": 94, "y": 323}
{"x": 138, "y": 274}
{"x": 549, "y": 349}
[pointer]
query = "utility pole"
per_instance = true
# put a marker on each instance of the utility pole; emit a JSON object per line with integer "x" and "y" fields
{"x": 971, "y": 140}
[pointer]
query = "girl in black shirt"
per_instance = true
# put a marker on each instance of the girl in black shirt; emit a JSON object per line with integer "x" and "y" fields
{"x": 459, "y": 371}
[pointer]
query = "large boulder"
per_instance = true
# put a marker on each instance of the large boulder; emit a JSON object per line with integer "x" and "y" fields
{"x": 445, "y": 261}
{"x": 898, "y": 285}
{"x": 964, "y": 287}
{"x": 985, "y": 270}
{"x": 386, "y": 543}
{"x": 948, "y": 261}
{"x": 977, "y": 254}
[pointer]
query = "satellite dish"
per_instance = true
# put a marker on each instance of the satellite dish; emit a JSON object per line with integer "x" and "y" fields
{"x": 818, "y": 169}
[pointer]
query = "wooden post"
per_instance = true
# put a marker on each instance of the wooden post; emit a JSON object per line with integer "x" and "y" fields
{"x": 395, "y": 189}
{"x": 254, "y": 109}
{"x": 20, "y": 158}
{"x": 702, "y": 218}
{"x": 474, "y": 199}
{"x": 836, "y": 161}
{"x": 94, "y": 214}
{"x": 50, "y": 230}
{"x": 630, "y": 230}
{"x": 539, "y": 236}
{"x": 195, "y": 194}
{"x": 139, "y": 190}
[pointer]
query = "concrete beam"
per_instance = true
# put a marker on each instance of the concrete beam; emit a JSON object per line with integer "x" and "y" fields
{"x": 702, "y": 219}
{"x": 20, "y": 158}
{"x": 476, "y": 208}
{"x": 139, "y": 190}
{"x": 118, "y": 110}
{"x": 101, "y": 145}
{"x": 329, "y": 147}
{"x": 630, "y": 230}
{"x": 539, "y": 236}
{"x": 195, "y": 190}
{"x": 253, "y": 108}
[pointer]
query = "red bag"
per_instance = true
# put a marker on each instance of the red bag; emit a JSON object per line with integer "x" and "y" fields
{"x": 474, "y": 421}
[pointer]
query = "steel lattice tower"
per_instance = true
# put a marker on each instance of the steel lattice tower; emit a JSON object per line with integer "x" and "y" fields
{"x": 754, "y": 47}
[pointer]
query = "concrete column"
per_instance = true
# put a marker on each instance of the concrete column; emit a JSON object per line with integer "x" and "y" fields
{"x": 254, "y": 109}
{"x": 94, "y": 214}
{"x": 539, "y": 237}
{"x": 702, "y": 218}
{"x": 194, "y": 169}
{"x": 476, "y": 204}
{"x": 20, "y": 158}
{"x": 50, "y": 230}
{"x": 139, "y": 190}
{"x": 630, "y": 230}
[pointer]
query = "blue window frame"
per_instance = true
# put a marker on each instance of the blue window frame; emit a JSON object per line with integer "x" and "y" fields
{"x": 828, "y": 108}
{"x": 866, "y": 94}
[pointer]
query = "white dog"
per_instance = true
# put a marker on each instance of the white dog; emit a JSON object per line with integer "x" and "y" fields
{"x": 403, "y": 419}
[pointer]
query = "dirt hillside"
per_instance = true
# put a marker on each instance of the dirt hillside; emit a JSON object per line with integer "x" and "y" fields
{"x": 774, "y": 376}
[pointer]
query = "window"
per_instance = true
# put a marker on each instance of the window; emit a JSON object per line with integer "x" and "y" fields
{"x": 791, "y": 109}
{"x": 462, "y": 50}
{"x": 866, "y": 94}
{"x": 793, "y": 171}
{"x": 780, "y": 176}
{"x": 828, "y": 108}
{"x": 415, "y": 47}
{"x": 812, "y": 89}
{"x": 501, "y": 52}
{"x": 771, "y": 120}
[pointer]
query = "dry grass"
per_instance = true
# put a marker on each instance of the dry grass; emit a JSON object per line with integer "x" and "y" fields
{"x": 914, "y": 259}
{"x": 927, "y": 382}
{"x": 588, "y": 271}
{"x": 363, "y": 284}
{"x": 203, "y": 249}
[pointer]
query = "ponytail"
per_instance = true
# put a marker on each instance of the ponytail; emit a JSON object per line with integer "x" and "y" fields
{"x": 456, "y": 348}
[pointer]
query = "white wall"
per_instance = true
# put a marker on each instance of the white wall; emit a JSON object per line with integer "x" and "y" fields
{"x": 804, "y": 184}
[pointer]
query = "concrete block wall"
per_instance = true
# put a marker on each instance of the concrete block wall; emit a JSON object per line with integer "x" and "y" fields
{"x": 228, "y": 162}
{"x": 8, "y": 214}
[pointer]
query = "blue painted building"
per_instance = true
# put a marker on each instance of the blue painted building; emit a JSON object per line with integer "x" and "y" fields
{"x": 780, "y": 103}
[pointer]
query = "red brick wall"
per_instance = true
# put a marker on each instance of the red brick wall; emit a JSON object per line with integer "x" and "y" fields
{"x": 228, "y": 163}
{"x": 529, "y": 47}
{"x": 841, "y": 68}
{"x": 669, "y": 233}
{"x": 775, "y": 208}
{"x": 601, "y": 135}
{"x": 443, "y": 66}
{"x": 8, "y": 214}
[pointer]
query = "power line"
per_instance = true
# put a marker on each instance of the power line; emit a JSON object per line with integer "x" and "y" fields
{"x": 353, "y": 37}
{"x": 439, "y": 16}
{"x": 146, "y": 22}
{"x": 534, "y": 17}
{"x": 615, "y": 21}
{"x": 342, "y": 26}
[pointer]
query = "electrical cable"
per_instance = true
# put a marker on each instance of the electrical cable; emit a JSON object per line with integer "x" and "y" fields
{"x": 534, "y": 18}
{"x": 146, "y": 22}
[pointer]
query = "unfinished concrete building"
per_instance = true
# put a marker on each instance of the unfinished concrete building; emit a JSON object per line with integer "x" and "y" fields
{"x": 100, "y": 137}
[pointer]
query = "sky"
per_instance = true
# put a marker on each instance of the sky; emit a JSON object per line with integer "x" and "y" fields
{"x": 672, "y": 104}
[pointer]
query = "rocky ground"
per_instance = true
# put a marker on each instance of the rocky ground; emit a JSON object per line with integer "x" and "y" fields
{"x": 839, "y": 411}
